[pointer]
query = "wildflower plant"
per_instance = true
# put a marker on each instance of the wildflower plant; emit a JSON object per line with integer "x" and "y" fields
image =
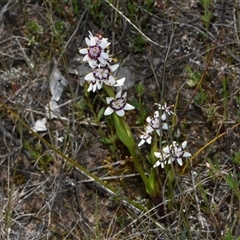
{"x": 99, "y": 60}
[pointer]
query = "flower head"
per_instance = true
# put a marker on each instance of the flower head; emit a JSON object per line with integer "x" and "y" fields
{"x": 145, "y": 137}
{"x": 162, "y": 159}
{"x": 166, "y": 110}
{"x": 177, "y": 152}
{"x": 101, "y": 74}
{"x": 156, "y": 123}
{"x": 118, "y": 105}
{"x": 171, "y": 153}
{"x": 96, "y": 50}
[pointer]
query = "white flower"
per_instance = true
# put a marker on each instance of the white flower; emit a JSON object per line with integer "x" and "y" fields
{"x": 145, "y": 137}
{"x": 171, "y": 153}
{"x": 118, "y": 105}
{"x": 177, "y": 152}
{"x": 163, "y": 159}
{"x": 166, "y": 109}
{"x": 156, "y": 123}
{"x": 102, "y": 74}
{"x": 95, "y": 50}
{"x": 94, "y": 83}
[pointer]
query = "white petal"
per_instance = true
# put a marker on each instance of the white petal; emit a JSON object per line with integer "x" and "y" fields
{"x": 118, "y": 95}
{"x": 83, "y": 51}
{"x": 141, "y": 143}
{"x": 91, "y": 41}
{"x": 120, "y": 112}
{"x": 148, "y": 119}
{"x": 104, "y": 56}
{"x": 111, "y": 81}
{"x": 90, "y": 34}
{"x": 125, "y": 95}
{"x": 104, "y": 43}
{"x": 157, "y": 154}
{"x": 187, "y": 154}
{"x": 179, "y": 160}
{"x": 158, "y": 132}
{"x": 99, "y": 85}
{"x": 149, "y": 140}
{"x": 149, "y": 129}
{"x": 92, "y": 63}
{"x": 108, "y": 111}
{"x": 114, "y": 67}
{"x": 157, "y": 164}
{"x": 184, "y": 144}
{"x": 89, "y": 77}
{"x": 163, "y": 117}
{"x": 90, "y": 88}
{"x": 166, "y": 150}
{"x": 128, "y": 107}
{"x": 165, "y": 126}
{"x": 156, "y": 114}
{"x": 87, "y": 41}
{"x": 109, "y": 99}
{"x": 102, "y": 60}
{"x": 170, "y": 160}
{"x": 94, "y": 87}
{"x": 120, "y": 82}
{"x": 86, "y": 58}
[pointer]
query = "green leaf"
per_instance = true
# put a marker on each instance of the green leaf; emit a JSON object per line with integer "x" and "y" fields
{"x": 236, "y": 158}
{"x": 123, "y": 132}
{"x": 106, "y": 140}
{"x": 151, "y": 186}
{"x": 100, "y": 114}
{"x": 231, "y": 182}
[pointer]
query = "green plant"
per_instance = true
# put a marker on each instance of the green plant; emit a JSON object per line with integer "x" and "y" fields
{"x": 207, "y": 14}
{"x": 100, "y": 78}
{"x": 139, "y": 104}
{"x": 35, "y": 33}
{"x": 96, "y": 10}
{"x": 229, "y": 235}
{"x": 138, "y": 43}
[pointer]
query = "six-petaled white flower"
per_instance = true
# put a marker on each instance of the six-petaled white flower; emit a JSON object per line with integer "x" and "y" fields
{"x": 145, "y": 137}
{"x": 156, "y": 123}
{"x": 95, "y": 50}
{"x": 166, "y": 110}
{"x": 162, "y": 159}
{"x": 171, "y": 153}
{"x": 102, "y": 74}
{"x": 118, "y": 105}
{"x": 177, "y": 152}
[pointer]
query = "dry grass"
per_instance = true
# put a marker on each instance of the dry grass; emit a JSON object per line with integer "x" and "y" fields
{"x": 43, "y": 195}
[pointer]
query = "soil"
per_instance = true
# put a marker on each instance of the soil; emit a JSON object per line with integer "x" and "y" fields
{"x": 45, "y": 197}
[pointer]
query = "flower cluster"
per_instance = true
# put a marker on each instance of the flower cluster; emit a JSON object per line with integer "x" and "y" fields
{"x": 99, "y": 60}
{"x": 98, "y": 57}
{"x": 156, "y": 123}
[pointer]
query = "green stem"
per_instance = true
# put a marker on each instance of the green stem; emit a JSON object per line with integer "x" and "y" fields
{"x": 138, "y": 165}
{"x": 109, "y": 90}
{"x": 125, "y": 135}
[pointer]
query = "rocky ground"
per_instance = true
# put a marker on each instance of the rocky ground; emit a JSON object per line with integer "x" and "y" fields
{"x": 165, "y": 45}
